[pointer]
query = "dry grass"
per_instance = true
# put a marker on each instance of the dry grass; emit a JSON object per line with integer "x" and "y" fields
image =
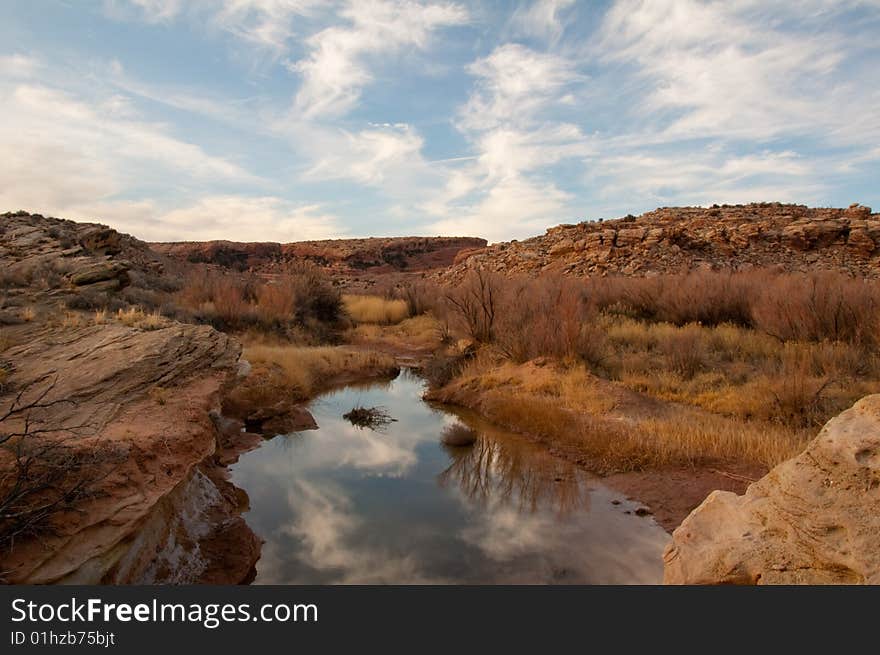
{"x": 421, "y": 332}
{"x": 71, "y": 320}
{"x": 578, "y": 415}
{"x": 136, "y": 317}
{"x": 375, "y": 309}
{"x": 304, "y": 370}
{"x": 739, "y": 372}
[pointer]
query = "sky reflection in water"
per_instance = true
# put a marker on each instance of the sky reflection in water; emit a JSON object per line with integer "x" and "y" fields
{"x": 341, "y": 505}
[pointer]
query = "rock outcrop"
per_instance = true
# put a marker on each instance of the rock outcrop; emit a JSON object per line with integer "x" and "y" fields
{"x": 814, "y": 519}
{"x": 678, "y": 239}
{"x": 130, "y": 405}
{"x": 339, "y": 256}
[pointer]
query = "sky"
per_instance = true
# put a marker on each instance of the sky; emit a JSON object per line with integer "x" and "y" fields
{"x": 285, "y": 120}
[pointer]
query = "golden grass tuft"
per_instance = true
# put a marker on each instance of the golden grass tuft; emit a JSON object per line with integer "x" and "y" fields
{"x": 304, "y": 368}
{"x": 71, "y": 320}
{"x": 136, "y": 317}
{"x": 422, "y": 332}
{"x": 375, "y": 310}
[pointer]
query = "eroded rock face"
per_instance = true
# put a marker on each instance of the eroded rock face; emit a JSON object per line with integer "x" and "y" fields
{"x": 136, "y": 397}
{"x": 678, "y": 239}
{"x": 814, "y": 519}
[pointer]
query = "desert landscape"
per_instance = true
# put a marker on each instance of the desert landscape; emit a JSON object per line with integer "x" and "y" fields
{"x": 711, "y": 371}
{"x": 299, "y": 294}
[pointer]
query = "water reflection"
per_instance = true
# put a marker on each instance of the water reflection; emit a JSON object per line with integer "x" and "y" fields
{"x": 514, "y": 471}
{"x": 343, "y": 505}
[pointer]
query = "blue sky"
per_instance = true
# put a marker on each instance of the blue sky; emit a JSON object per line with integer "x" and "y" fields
{"x": 297, "y": 119}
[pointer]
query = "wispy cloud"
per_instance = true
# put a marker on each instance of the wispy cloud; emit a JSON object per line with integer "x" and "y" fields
{"x": 541, "y": 18}
{"x": 334, "y": 72}
{"x": 509, "y": 119}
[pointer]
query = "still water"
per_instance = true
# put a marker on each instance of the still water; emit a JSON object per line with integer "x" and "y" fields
{"x": 343, "y": 505}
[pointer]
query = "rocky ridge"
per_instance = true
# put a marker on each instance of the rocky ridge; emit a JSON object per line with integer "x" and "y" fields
{"x": 678, "y": 239}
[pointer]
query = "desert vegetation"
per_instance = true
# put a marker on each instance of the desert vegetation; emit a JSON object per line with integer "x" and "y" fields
{"x": 701, "y": 366}
{"x": 303, "y": 303}
{"x": 375, "y": 309}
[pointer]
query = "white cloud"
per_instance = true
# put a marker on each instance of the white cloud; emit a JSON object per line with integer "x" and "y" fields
{"x": 733, "y": 69}
{"x": 18, "y": 65}
{"x": 712, "y": 176}
{"x": 244, "y": 218}
{"x": 335, "y": 71}
{"x": 509, "y": 119}
{"x": 540, "y": 19}
{"x": 514, "y": 83}
{"x": 332, "y": 540}
{"x": 374, "y": 156}
{"x": 506, "y": 152}
{"x": 267, "y": 24}
{"x": 514, "y": 207}
{"x": 57, "y": 150}
{"x": 152, "y": 11}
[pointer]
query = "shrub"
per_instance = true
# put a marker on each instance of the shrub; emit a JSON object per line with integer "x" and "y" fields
{"x": 475, "y": 303}
{"x": 820, "y": 306}
{"x": 420, "y": 296}
{"x": 543, "y": 317}
{"x": 304, "y": 299}
{"x": 684, "y": 351}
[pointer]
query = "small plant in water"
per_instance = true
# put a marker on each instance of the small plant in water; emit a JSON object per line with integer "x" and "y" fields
{"x": 375, "y": 418}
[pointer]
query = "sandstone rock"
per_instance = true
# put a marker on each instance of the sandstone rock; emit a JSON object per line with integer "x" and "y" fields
{"x": 804, "y": 234}
{"x": 562, "y": 247}
{"x": 630, "y": 237}
{"x": 860, "y": 241}
{"x": 105, "y": 375}
{"x": 99, "y": 272}
{"x": 857, "y": 211}
{"x": 97, "y": 383}
{"x": 814, "y": 519}
{"x": 673, "y": 239}
{"x": 100, "y": 239}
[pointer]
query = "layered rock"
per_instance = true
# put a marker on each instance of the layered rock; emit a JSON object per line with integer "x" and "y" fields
{"x": 814, "y": 519}
{"x": 677, "y": 239}
{"x": 136, "y": 399}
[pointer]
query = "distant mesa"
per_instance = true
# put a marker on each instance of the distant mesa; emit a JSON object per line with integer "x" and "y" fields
{"x": 340, "y": 256}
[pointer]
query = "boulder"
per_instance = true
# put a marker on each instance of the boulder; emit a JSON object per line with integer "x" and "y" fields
{"x": 814, "y": 519}
{"x": 809, "y": 233}
{"x": 100, "y": 272}
{"x": 101, "y": 239}
{"x": 562, "y": 247}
